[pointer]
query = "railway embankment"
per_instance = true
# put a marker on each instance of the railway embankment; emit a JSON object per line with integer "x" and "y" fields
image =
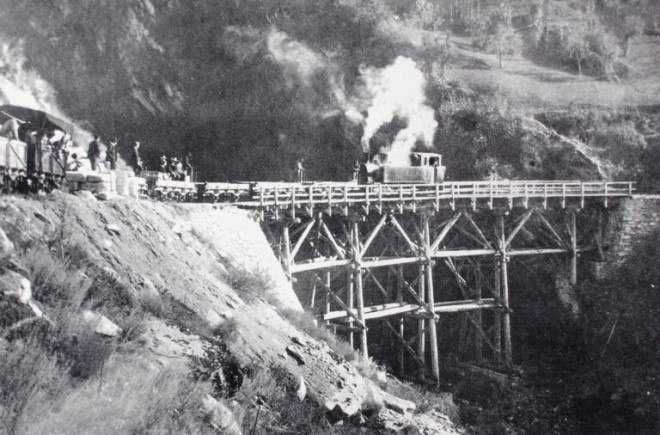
{"x": 145, "y": 316}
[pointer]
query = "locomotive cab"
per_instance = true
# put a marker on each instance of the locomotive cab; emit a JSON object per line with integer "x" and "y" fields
{"x": 423, "y": 168}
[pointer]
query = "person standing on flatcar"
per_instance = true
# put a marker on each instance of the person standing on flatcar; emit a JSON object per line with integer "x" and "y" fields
{"x": 178, "y": 170}
{"x": 356, "y": 170}
{"x": 111, "y": 154}
{"x": 162, "y": 168}
{"x": 94, "y": 152}
{"x": 300, "y": 170}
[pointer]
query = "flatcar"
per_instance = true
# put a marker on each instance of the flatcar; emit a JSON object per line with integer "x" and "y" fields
{"x": 423, "y": 168}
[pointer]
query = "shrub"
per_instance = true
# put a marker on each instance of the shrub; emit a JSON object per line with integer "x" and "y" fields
{"x": 226, "y": 331}
{"x": 251, "y": 285}
{"x": 54, "y": 281}
{"x": 86, "y": 353}
{"x": 590, "y": 50}
{"x": 221, "y": 369}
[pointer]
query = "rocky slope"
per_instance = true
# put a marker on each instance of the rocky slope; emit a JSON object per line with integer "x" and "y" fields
{"x": 211, "y": 293}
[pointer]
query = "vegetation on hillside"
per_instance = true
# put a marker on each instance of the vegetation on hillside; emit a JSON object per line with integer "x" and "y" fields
{"x": 251, "y": 86}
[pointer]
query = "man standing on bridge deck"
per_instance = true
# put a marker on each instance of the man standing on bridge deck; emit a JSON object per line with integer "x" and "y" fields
{"x": 356, "y": 170}
{"x": 300, "y": 170}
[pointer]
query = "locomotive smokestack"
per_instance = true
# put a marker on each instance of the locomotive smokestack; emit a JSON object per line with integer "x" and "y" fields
{"x": 398, "y": 91}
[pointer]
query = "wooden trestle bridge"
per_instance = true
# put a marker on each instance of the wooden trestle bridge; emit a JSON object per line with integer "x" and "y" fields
{"x": 367, "y": 253}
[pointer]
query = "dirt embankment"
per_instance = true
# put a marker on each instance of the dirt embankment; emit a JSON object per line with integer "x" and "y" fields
{"x": 211, "y": 293}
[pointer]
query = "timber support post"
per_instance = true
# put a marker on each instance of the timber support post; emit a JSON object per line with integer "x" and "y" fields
{"x": 572, "y": 231}
{"x": 286, "y": 241}
{"x": 421, "y": 323}
{"x": 357, "y": 273}
{"x": 430, "y": 297}
{"x": 350, "y": 281}
{"x": 497, "y": 327}
{"x": 478, "y": 316}
{"x": 504, "y": 282}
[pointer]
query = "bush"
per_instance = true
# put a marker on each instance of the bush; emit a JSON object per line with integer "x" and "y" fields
{"x": 586, "y": 50}
{"x": 55, "y": 282}
{"x": 251, "y": 285}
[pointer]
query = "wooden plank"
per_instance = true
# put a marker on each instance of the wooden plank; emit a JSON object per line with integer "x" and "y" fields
{"x": 373, "y": 234}
{"x": 413, "y": 247}
{"x": 318, "y": 265}
{"x": 369, "y": 262}
{"x": 338, "y": 250}
{"x": 302, "y": 238}
{"x": 444, "y": 232}
{"x": 520, "y": 225}
{"x": 474, "y": 225}
{"x": 341, "y": 303}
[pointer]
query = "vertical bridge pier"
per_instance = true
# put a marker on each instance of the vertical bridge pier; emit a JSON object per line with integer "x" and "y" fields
{"x": 426, "y": 267}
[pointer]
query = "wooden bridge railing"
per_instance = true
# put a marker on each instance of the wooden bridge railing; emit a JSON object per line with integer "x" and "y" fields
{"x": 328, "y": 195}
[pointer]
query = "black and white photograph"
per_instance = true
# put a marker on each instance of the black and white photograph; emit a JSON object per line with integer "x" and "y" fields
{"x": 252, "y": 217}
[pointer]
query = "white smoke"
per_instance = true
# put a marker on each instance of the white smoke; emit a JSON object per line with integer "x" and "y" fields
{"x": 398, "y": 91}
{"x": 299, "y": 63}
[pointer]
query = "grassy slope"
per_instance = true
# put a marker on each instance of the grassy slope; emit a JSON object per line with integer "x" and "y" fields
{"x": 530, "y": 87}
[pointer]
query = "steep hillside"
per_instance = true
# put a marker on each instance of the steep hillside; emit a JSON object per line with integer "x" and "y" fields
{"x": 104, "y": 303}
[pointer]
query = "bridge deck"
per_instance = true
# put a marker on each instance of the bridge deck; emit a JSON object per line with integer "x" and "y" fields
{"x": 312, "y": 197}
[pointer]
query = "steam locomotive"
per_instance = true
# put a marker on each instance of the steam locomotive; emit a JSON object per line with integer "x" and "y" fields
{"x": 423, "y": 168}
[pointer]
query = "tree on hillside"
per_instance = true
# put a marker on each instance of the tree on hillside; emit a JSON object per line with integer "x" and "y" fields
{"x": 632, "y": 26}
{"x": 577, "y": 47}
{"x": 625, "y": 18}
{"x": 501, "y": 37}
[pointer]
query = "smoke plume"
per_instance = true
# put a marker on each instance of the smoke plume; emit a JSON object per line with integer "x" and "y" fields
{"x": 298, "y": 62}
{"x": 398, "y": 91}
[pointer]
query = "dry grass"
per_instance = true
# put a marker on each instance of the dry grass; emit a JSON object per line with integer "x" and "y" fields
{"x": 307, "y": 323}
{"x": 129, "y": 398}
{"x": 270, "y": 405}
{"x": 28, "y": 374}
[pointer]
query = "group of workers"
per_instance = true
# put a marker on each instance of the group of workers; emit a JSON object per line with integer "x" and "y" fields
{"x": 176, "y": 169}
{"x": 50, "y": 155}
